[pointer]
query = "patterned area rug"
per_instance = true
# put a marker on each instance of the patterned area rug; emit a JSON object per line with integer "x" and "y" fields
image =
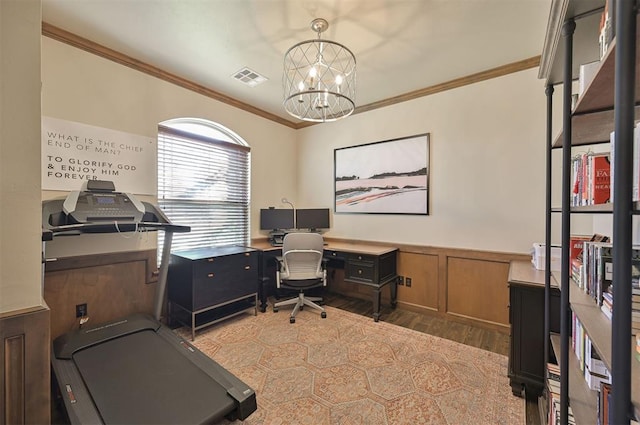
{"x": 348, "y": 369}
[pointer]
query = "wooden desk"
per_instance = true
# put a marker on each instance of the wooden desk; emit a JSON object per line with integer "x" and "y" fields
{"x": 370, "y": 265}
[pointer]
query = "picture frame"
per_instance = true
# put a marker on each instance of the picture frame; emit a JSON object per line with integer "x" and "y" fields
{"x": 386, "y": 177}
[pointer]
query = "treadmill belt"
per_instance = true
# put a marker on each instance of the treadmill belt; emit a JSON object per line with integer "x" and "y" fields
{"x": 142, "y": 379}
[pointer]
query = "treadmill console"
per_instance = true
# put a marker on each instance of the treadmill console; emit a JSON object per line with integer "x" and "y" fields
{"x": 100, "y": 202}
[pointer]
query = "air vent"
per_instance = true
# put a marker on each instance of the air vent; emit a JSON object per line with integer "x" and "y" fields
{"x": 249, "y": 77}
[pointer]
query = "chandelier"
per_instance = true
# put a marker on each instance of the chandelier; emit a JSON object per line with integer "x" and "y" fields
{"x": 319, "y": 78}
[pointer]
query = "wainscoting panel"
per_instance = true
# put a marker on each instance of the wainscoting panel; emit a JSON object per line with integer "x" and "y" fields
{"x": 467, "y": 286}
{"x": 24, "y": 367}
{"x": 478, "y": 289}
{"x": 112, "y": 285}
{"x": 422, "y": 269}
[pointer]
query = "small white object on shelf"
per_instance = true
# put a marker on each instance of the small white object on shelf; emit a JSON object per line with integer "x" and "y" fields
{"x": 538, "y": 257}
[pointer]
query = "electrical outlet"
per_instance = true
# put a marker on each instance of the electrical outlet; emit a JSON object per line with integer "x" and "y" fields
{"x": 81, "y": 310}
{"x": 408, "y": 282}
{"x": 400, "y": 280}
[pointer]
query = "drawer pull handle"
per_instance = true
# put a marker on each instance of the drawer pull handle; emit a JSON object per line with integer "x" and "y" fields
{"x": 247, "y": 267}
{"x": 210, "y": 275}
{"x": 246, "y": 254}
{"x": 359, "y": 271}
{"x": 210, "y": 260}
{"x": 333, "y": 253}
{"x": 359, "y": 257}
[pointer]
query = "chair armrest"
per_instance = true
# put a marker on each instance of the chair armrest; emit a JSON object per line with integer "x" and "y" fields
{"x": 279, "y": 262}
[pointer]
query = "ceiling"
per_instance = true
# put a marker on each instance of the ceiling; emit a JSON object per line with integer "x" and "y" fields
{"x": 400, "y": 45}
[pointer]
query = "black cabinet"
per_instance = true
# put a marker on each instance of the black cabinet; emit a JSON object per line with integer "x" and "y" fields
{"x": 210, "y": 284}
{"x": 526, "y": 315}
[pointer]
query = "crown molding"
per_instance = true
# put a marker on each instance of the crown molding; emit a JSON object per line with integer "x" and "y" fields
{"x": 82, "y": 43}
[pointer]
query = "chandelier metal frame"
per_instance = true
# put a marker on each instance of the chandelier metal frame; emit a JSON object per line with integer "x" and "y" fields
{"x": 319, "y": 78}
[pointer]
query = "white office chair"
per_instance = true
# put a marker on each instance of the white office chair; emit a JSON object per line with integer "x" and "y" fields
{"x": 301, "y": 268}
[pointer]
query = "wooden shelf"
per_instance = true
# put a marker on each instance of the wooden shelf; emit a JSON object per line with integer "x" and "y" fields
{"x": 598, "y": 327}
{"x": 597, "y": 209}
{"x": 595, "y": 323}
{"x": 582, "y": 400}
{"x": 591, "y": 128}
{"x": 593, "y": 116}
{"x": 599, "y": 94}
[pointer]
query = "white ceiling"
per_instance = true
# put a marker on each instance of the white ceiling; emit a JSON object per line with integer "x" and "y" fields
{"x": 400, "y": 45}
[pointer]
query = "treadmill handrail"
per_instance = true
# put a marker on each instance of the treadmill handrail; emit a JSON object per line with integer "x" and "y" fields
{"x": 115, "y": 227}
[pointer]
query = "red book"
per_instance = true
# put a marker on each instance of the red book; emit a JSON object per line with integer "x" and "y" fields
{"x": 577, "y": 245}
{"x": 601, "y": 178}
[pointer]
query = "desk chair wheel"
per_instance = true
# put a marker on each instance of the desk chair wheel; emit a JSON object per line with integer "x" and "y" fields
{"x": 292, "y": 320}
{"x": 275, "y": 309}
{"x": 323, "y": 314}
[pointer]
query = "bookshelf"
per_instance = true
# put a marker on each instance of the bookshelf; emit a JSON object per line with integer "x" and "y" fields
{"x": 571, "y": 40}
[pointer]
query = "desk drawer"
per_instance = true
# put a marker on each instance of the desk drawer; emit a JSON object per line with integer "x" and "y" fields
{"x": 362, "y": 259}
{"x": 329, "y": 253}
{"x": 214, "y": 290}
{"x": 215, "y": 266}
{"x": 359, "y": 271}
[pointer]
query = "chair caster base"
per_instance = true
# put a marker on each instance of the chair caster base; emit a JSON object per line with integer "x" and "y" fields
{"x": 292, "y": 320}
{"x": 323, "y": 314}
{"x": 275, "y": 309}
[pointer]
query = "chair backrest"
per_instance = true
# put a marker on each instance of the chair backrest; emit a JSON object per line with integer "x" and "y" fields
{"x": 302, "y": 256}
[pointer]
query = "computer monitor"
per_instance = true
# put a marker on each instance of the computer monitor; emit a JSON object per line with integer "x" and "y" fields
{"x": 312, "y": 218}
{"x": 276, "y": 218}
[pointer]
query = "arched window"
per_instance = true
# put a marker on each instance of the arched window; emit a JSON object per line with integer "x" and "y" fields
{"x": 203, "y": 182}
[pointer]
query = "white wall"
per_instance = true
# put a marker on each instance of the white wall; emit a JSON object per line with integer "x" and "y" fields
{"x": 487, "y": 176}
{"x": 487, "y": 180}
{"x": 20, "y": 230}
{"x": 82, "y": 87}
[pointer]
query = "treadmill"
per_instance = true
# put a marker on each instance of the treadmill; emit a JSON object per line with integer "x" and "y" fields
{"x": 134, "y": 370}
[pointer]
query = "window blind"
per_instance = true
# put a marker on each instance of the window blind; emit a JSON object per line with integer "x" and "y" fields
{"x": 203, "y": 183}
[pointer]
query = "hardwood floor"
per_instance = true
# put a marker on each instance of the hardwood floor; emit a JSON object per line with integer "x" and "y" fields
{"x": 465, "y": 334}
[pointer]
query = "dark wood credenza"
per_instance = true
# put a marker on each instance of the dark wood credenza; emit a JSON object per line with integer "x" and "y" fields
{"x": 526, "y": 316}
{"x": 207, "y": 285}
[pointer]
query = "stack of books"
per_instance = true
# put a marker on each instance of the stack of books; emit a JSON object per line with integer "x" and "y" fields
{"x": 593, "y": 368}
{"x": 591, "y": 179}
{"x": 553, "y": 390}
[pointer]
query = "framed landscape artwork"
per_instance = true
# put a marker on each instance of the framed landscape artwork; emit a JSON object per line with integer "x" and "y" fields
{"x": 388, "y": 177}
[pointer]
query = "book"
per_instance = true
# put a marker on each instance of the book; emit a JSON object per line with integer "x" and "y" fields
{"x": 605, "y": 398}
{"x": 636, "y": 164}
{"x": 600, "y": 179}
{"x": 606, "y": 265}
{"x": 612, "y": 174}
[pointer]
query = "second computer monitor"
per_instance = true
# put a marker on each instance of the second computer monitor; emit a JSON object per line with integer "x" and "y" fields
{"x": 312, "y": 218}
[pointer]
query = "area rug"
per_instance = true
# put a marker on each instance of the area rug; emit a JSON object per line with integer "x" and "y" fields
{"x": 348, "y": 369}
